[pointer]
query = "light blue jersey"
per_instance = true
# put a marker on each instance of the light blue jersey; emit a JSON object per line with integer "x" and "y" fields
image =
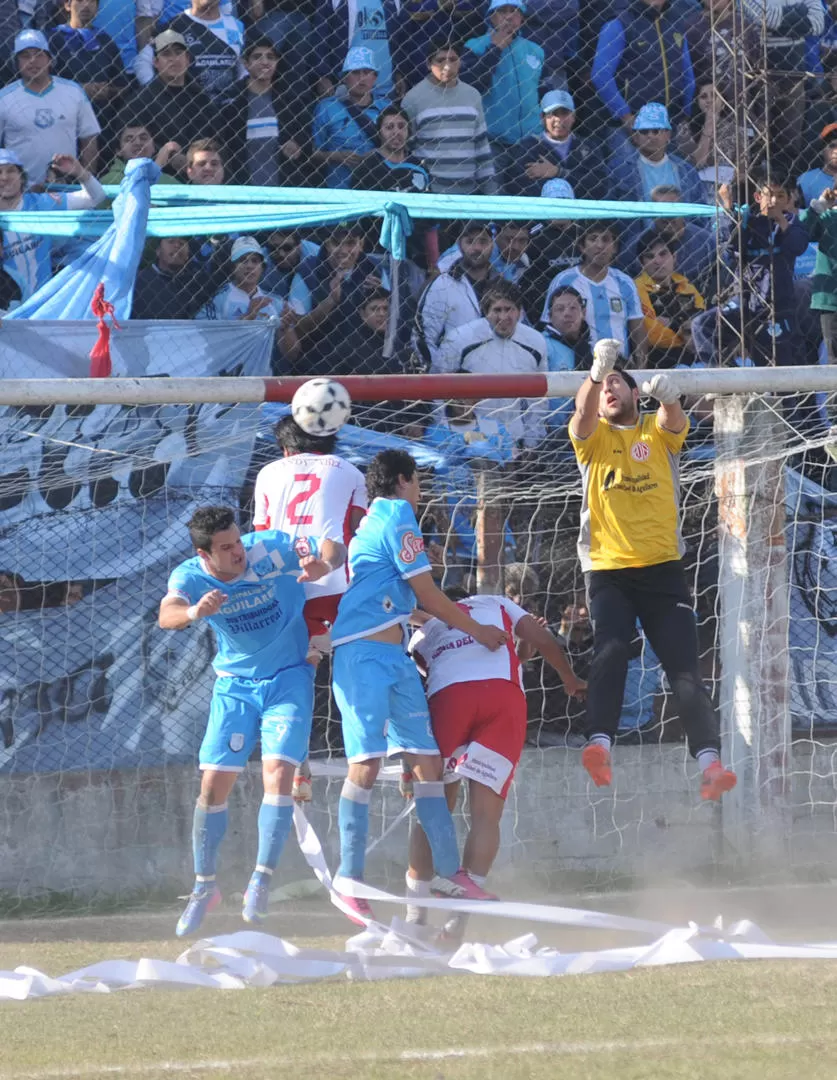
{"x": 656, "y": 174}
{"x": 260, "y": 628}
{"x": 28, "y": 258}
{"x": 385, "y": 552}
{"x": 610, "y": 304}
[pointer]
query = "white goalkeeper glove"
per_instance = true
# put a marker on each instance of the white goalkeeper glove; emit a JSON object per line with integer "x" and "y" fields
{"x": 662, "y": 388}
{"x": 605, "y": 354}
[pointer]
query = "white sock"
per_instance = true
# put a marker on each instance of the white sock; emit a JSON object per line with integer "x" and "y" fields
{"x": 478, "y": 879}
{"x": 705, "y": 758}
{"x": 599, "y": 740}
{"x": 415, "y": 887}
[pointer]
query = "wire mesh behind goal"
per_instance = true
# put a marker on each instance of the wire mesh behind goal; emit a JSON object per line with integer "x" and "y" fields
{"x": 101, "y": 712}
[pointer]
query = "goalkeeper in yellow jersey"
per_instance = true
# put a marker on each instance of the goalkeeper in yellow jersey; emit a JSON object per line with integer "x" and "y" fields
{"x": 630, "y": 549}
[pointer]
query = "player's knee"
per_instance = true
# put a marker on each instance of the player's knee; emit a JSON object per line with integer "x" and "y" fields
{"x": 689, "y": 690}
{"x": 612, "y": 654}
{"x": 364, "y": 773}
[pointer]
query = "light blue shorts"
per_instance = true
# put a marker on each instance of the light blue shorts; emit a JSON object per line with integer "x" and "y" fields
{"x": 277, "y": 710}
{"x": 381, "y": 700}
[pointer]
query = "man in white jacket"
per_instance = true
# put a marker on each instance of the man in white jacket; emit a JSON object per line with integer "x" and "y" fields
{"x": 499, "y": 343}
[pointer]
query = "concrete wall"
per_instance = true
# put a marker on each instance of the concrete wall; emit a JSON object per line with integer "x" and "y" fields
{"x": 126, "y": 835}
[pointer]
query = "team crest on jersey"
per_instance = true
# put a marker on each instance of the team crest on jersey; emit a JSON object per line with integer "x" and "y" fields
{"x": 302, "y": 547}
{"x": 640, "y": 451}
{"x": 236, "y": 742}
{"x": 263, "y": 566}
{"x": 411, "y": 547}
{"x": 44, "y": 118}
{"x": 615, "y": 304}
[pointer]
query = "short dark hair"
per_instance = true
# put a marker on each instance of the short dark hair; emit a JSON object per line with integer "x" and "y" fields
{"x": 471, "y": 227}
{"x": 206, "y": 521}
{"x": 649, "y": 240}
{"x": 390, "y": 110}
{"x": 374, "y": 294}
{"x": 590, "y": 227}
{"x": 501, "y": 290}
{"x": 567, "y": 290}
{"x": 385, "y": 470}
{"x": 291, "y": 437}
{"x": 260, "y": 43}
{"x": 434, "y": 47}
{"x": 626, "y": 376}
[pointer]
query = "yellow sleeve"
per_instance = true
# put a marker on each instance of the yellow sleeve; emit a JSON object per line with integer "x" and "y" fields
{"x": 585, "y": 448}
{"x": 659, "y": 336}
{"x": 671, "y": 441}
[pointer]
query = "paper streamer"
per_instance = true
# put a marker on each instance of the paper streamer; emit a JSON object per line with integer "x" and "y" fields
{"x": 253, "y": 959}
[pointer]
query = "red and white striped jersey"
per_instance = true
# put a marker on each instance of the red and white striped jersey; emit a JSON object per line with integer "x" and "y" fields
{"x": 453, "y": 657}
{"x": 311, "y": 495}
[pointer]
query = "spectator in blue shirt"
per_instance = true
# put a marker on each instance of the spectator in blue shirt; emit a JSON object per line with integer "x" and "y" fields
{"x": 345, "y": 128}
{"x": 285, "y": 252}
{"x": 507, "y": 69}
{"x": 557, "y": 152}
{"x": 644, "y": 164}
{"x": 88, "y": 56}
{"x": 815, "y": 181}
{"x": 643, "y": 55}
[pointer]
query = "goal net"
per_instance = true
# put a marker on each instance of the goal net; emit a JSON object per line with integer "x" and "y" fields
{"x": 102, "y": 713}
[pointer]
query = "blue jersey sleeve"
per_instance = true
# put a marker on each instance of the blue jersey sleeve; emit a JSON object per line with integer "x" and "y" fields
{"x": 183, "y": 584}
{"x": 405, "y": 543}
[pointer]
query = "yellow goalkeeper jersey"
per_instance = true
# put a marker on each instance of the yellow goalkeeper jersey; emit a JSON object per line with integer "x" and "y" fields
{"x": 630, "y": 514}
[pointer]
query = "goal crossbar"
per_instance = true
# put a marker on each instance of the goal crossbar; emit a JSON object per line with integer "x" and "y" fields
{"x": 225, "y": 390}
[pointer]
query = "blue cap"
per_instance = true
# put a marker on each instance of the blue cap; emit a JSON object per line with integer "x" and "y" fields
{"x": 557, "y": 189}
{"x": 557, "y": 99}
{"x": 360, "y": 59}
{"x": 652, "y": 117}
{"x": 9, "y": 157}
{"x": 31, "y": 39}
{"x": 506, "y": 3}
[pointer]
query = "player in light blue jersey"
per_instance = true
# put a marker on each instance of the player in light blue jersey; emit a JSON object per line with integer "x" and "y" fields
{"x": 376, "y": 686}
{"x": 26, "y": 257}
{"x": 250, "y": 589}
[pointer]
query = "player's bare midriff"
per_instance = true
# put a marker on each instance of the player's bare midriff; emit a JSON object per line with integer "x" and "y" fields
{"x": 392, "y": 635}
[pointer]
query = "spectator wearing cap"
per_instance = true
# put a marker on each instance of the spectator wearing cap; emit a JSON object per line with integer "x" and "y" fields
{"x": 179, "y": 282}
{"x": 508, "y": 255}
{"x": 815, "y": 181}
{"x": 265, "y": 139}
{"x": 41, "y": 116}
{"x": 215, "y": 42}
{"x": 448, "y": 126}
{"x": 28, "y": 258}
{"x": 327, "y": 288}
{"x": 89, "y": 56}
{"x": 173, "y": 106}
{"x": 507, "y": 69}
{"x": 453, "y": 298}
{"x": 611, "y": 302}
{"x": 135, "y": 141}
{"x": 669, "y": 303}
{"x": 344, "y": 25}
{"x": 643, "y": 55}
{"x": 645, "y": 163}
{"x": 345, "y": 127}
{"x": 553, "y": 247}
{"x": 556, "y": 152}
{"x": 241, "y": 297}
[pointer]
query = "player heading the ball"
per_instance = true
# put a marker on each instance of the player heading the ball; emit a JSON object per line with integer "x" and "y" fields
{"x": 250, "y": 589}
{"x": 631, "y": 551}
{"x": 376, "y": 685}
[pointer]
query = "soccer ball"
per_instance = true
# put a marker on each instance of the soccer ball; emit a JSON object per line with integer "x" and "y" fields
{"x": 321, "y": 406}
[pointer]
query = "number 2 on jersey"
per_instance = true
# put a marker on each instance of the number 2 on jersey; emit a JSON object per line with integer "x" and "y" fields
{"x": 313, "y": 484}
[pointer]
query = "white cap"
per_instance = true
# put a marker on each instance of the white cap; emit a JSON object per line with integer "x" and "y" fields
{"x": 246, "y": 245}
